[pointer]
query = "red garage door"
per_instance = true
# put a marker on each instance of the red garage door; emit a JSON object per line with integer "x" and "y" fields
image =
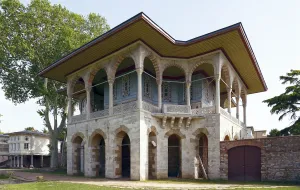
{"x": 244, "y": 163}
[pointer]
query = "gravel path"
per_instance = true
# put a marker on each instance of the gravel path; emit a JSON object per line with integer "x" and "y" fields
{"x": 28, "y": 176}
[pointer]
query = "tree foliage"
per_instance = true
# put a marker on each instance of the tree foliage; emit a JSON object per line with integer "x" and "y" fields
{"x": 31, "y": 38}
{"x": 274, "y": 133}
{"x": 287, "y": 104}
{"x": 30, "y": 129}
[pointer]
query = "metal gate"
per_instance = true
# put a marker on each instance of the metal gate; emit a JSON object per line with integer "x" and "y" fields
{"x": 244, "y": 163}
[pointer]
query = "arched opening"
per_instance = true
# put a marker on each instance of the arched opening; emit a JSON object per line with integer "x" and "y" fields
{"x": 149, "y": 83}
{"x": 152, "y": 154}
{"x": 174, "y": 156}
{"x": 202, "y": 86}
{"x": 79, "y": 96}
{"x": 98, "y": 152}
{"x": 99, "y": 92}
{"x": 224, "y": 87}
{"x": 125, "y": 85}
{"x": 173, "y": 86}
{"x": 122, "y": 155}
{"x": 227, "y": 138}
{"x": 78, "y": 155}
{"x": 203, "y": 153}
{"x": 126, "y": 156}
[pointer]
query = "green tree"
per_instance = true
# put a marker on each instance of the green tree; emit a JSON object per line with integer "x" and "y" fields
{"x": 287, "y": 104}
{"x": 274, "y": 133}
{"x": 30, "y": 129}
{"x": 31, "y": 38}
{"x": 45, "y": 131}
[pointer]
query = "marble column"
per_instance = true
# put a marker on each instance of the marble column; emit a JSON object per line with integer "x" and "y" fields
{"x": 88, "y": 89}
{"x": 31, "y": 161}
{"x": 217, "y": 95}
{"x": 21, "y": 166}
{"x": 111, "y": 96}
{"x": 229, "y": 90}
{"x": 188, "y": 93}
{"x": 244, "y": 112}
{"x": 159, "y": 82}
{"x": 42, "y": 161}
{"x": 237, "y": 107}
{"x": 139, "y": 87}
{"x": 70, "y": 111}
{"x": 18, "y": 161}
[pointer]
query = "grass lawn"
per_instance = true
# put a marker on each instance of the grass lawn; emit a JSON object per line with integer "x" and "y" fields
{"x": 73, "y": 186}
{"x": 56, "y": 171}
{"x": 56, "y": 186}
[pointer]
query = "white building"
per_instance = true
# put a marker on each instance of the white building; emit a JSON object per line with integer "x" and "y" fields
{"x": 150, "y": 105}
{"x": 29, "y": 149}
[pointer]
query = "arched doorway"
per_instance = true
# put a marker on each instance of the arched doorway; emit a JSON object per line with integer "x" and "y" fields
{"x": 78, "y": 155}
{"x": 174, "y": 156}
{"x": 152, "y": 141}
{"x": 126, "y": 156}
{"x": 203, "y": 153}
{"x": 244, "y": 163}
{"x": 98, "y": 149}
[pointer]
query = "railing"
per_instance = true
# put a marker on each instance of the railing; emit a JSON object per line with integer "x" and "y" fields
{"x": 204, "y": 111}
{"x": 181, "y": 109}
{"x": 232, "y": 118}
{"x": 100, "y": 113}
{"x": 150, "y": 107}
{"x": 126, "y": 107}
{"x": 78, "y": 118}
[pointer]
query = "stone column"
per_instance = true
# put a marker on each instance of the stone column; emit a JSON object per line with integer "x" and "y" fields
{"x": 31, "y": 161}
{"x": 70, "y": 111}
{"x": 88, "y": 89}
{"x": 21, "y": 161}
{"x": 111, "y": 96}
{"x": 11, "y": 161}
{"x": 217, "y": 95}
{"x": 244, "y": 112}
{"x": 237, "y": 107}
{"x": 14, "y": 161}
{"x": 42, "y": 161}
{"x": 18, "y": 161}
{"x": 229, "y": 90}
{"x": 159, "y": 82}
{"x": 188, "y": 93}
{"x": 139, "y": 87}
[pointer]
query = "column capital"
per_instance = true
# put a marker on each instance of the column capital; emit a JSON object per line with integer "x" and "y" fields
{"x": 139, "y": 70}
{"x": 111, "y": 81}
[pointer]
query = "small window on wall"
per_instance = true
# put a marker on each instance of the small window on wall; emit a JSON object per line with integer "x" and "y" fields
{"x": 166, "y": 92}
{"x": 18, "y": 138}
{"x": 126, "y": 86}
{"x": 26, "y": 138}
{"x": 26, "y": 145}
{"x": 18, "y": 147}
{"x": 147, "y": 87}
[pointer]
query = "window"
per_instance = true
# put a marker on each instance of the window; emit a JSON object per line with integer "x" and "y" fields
{"x": 26, "y": 145}
{"x": 14, "y": 146}
{"x": 166, "y": 92}
{"x": 126, "y": 86}
{"x": 147, "y": 87}
{"x": 26, "y": 138}
{"x": 18, "y": 138}
{"x": 18, "y": 146}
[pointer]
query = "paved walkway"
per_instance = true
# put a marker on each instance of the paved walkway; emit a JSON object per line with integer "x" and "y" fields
{"x": 28, "y": 176}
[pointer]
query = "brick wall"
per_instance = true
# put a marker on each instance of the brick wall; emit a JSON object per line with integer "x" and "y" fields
{"x": 280, "y": 157}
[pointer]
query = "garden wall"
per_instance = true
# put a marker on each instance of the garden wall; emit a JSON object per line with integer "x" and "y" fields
{"x": 280, "y": 157}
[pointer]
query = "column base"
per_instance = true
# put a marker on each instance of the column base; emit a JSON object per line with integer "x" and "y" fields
{"x": 31, "y": 166}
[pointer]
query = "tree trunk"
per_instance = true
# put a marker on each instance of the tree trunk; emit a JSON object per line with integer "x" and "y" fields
{"x": 54, "y": 150}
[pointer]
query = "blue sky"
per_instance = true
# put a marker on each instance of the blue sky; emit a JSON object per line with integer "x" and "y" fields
{"x": 273, "y": 29}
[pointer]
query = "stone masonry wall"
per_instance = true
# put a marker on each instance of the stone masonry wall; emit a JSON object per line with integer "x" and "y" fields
{"x": 280, "y": 157}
